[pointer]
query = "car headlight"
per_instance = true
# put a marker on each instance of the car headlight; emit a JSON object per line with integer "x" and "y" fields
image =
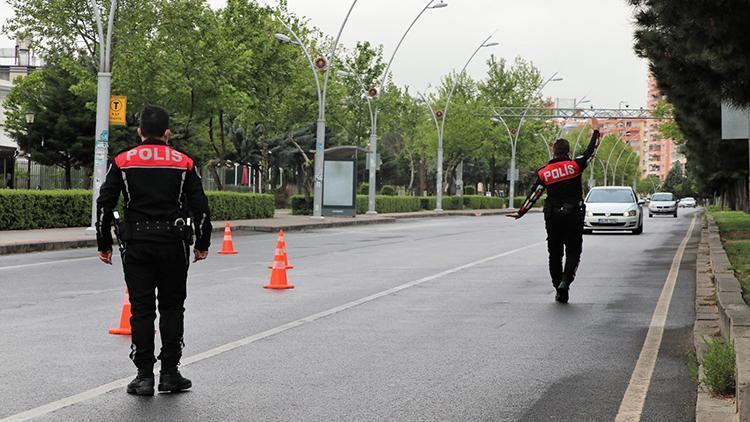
{"x": 589, "y": 214}
{"x": 630, "y": 213}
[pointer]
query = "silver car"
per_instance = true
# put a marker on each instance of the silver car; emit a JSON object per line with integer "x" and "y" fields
{"x": 663, "y": 203}
{"x": 613, "y": 208}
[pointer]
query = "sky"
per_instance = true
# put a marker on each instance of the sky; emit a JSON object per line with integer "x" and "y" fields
{"x": 589, "y": 42}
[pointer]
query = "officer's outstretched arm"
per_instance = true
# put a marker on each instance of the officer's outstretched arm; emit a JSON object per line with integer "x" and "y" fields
{"x": 198, "y": 205}
{"x": 109, "y": 194}
{"x": 590, "y": 150}
{"x": 536, "y": 192}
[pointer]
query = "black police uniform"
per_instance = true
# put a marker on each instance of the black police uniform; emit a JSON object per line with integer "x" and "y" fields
{"x": 161, "y": 189}
{"x": 564, "y": 211}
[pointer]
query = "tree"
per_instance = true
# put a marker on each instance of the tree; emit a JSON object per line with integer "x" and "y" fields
{"x": 63, "y": 130}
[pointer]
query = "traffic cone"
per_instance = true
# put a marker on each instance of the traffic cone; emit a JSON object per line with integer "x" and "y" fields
{"x": 281, "y": 250}
{"x": 278, "y": 273}
{"x": 124, "y": 328}
{"x": 227, "y": 248}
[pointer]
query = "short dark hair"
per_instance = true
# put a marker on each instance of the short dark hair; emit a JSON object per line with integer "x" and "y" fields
{"x": 154, "y": 121}
{"x": 561, "y": 148}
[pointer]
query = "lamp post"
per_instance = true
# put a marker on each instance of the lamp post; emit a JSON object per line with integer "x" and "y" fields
{"x": 320, "y": 137}
{"x": 439, "y": 117}
{"x": 373, "y": 153}
{"x": 103, "y": 83}
{"x": 617, "y": 162}
{"x": 606, "y": 169}
{"x": 625, "y": 167}
{"x": 29, "y": 122}
{"x": 514, "y": 137}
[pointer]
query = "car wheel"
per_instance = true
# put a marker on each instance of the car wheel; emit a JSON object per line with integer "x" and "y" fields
{"x": 650, "y": 216}
{"x": 675, "y": 214}
{"x": 639, "y": 230}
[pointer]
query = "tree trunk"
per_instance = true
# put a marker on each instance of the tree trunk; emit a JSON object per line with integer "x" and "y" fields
{"x": 213, "y": 163}
{"x": 68, "y": 178}
{"x": 422, "y": 176}
{"x": 493, "y": 170}
{"x": 411, "y": 173}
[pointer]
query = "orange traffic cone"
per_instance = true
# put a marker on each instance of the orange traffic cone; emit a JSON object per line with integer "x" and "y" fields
{"x": 124, "y": 327}
{"x": 281, "y": 250}
{"x": 227, "y": 248}
{"x": 278, "y": 274}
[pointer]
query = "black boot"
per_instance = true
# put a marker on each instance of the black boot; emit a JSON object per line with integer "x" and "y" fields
{"x": 142, "y": 384}
{"x": 171, "y": 381}
{"x": 562, "y": 292}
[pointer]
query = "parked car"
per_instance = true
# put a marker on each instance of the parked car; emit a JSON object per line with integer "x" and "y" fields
{"x": 663, "y": 203}
{"x": 613, "y": 208}
{"x": 688, "y": 202}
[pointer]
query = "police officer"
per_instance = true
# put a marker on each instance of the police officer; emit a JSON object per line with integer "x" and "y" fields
{"x": 564, "y": 210}
{"x": 162, "y": 193}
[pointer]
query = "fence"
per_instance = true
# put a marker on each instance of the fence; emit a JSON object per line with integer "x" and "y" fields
{"x": 43, "y": 177}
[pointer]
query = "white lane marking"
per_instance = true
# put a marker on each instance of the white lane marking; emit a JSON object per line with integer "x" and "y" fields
{"x": 122, "y": 382}
{"x": 60, "y": 261}
{"x": 632, "y": 403}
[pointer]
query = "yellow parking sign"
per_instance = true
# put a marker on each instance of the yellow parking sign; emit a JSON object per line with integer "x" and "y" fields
{"x": 117, "y": 107}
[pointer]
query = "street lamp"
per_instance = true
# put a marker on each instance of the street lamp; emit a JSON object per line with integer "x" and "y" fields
{"x": 29, "y": 122}
{"x": 372, "y": 180}
{"x": 625, "y": 167}
{"x": 514, "y": 139}
{"x": 619, "y": 105}
{"x": 617, "y": 162}
{"x": 103, "y": 84}
{"x": 439, "y": 119}
{"x": 320, "y": 137}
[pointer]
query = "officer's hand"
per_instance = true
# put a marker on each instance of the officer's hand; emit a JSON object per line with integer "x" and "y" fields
{"x": 199, "y": 255}
{"x": 105, "y": 257}
{"x": 594, "y": 123}
{"x": 514, "y": 215}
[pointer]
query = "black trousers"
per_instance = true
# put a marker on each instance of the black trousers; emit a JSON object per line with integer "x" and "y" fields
{"x": 564, "y": 239}
{"x": 156, "y": 271}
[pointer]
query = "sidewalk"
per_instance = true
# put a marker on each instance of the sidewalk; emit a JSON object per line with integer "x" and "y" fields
{"x": 23, "y": 241}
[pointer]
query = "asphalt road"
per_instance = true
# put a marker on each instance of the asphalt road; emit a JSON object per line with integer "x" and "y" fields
{"x": 430, "y": 319}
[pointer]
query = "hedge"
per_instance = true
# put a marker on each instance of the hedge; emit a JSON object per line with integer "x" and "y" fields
{"x": 519, "y": 200}
{"x": 43, "y": 209}
{"x": 383, "y": 204}
{"x": 481, "y": 202}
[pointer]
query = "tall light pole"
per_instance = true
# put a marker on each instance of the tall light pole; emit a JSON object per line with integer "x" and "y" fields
{"x": 373, "y": 155}
{"x": 103, "y": 84}
{"x": 439, "y": 118}
{"x": 29, "y": 122}
{"x": 614, "y": 147}
{"x": 320, "y": 137}
{"x": 617, "y": 163}
{"x": 514, "y": 137}
{"x": 625, "y": 167}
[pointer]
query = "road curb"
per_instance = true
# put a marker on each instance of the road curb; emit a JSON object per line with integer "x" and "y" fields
{"x": 708, "y": 408}
{"x": 41, "y": 246}
{"x": 734, "y": 315}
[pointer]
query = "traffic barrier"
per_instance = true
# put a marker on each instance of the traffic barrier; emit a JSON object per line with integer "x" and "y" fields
{"x": 124, "y": 328}
{"x": 227, "y": 247}
{"x": 281, "y": 249}
{"x": 278, "y": 273}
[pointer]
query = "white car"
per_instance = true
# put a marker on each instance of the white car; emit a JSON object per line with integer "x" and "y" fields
{"x": 662, "y": 203}
{"x": 687, "y": 202}
{"x": 613, "y": 208}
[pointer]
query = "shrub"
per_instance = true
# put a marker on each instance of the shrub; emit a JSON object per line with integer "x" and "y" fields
{"x": 364, "y": 188}
{"x": 389, "y": 204}
{"x": 477, "y": 202}
{"x": 301, "y": 205}
{"x": 518, "y": 201}
{"x": 40, "y": 209}
{"x": 719, "y": 366}
{"x": 469, "y": 190}
{"x": 43, "y": 209}
{"x": 240, "y": 206}
{"x": 388, "y": 190}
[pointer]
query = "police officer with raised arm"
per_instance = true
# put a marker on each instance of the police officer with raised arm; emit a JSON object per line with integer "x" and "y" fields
{"x": 164, "y": 203}
{"x": 564, "y": 210}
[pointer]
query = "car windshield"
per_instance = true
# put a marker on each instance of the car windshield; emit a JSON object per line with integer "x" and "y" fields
{"x": 610, "y": 195}
{"x": 662, "y": 197}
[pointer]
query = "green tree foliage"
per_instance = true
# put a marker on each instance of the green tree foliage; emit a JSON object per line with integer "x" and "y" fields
{"x": 63, "y": 130}
{"x": 698, "y": 57}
